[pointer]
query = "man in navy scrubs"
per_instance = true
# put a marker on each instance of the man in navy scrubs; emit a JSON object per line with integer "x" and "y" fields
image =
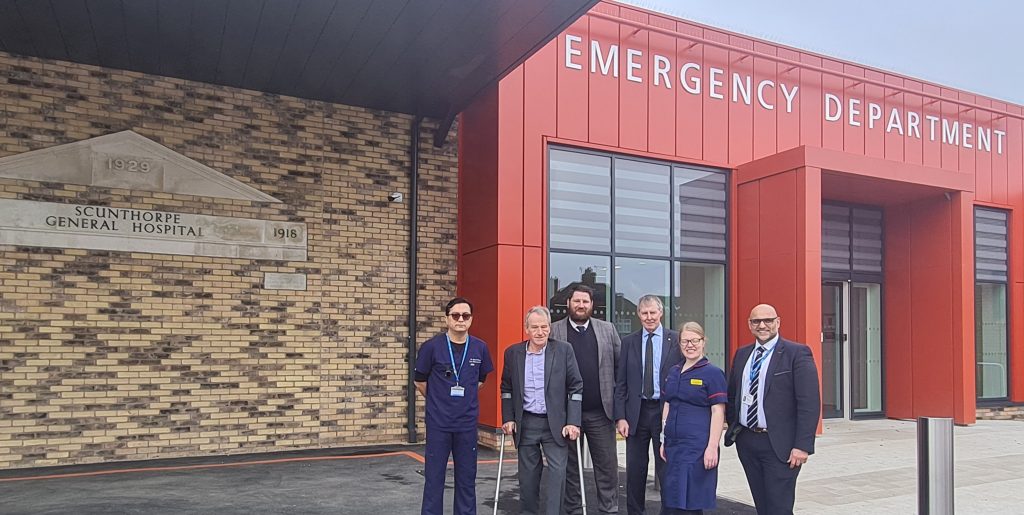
{"x": 450, "y": 368}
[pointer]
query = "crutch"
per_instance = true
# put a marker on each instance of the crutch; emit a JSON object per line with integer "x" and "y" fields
{"x": 497, "y": 484}
{"x": 583, "y": 488}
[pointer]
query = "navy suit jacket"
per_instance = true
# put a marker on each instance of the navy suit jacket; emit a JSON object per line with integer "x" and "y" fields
{"x": 629, "y": 376}
{"x": 792, "y": 402}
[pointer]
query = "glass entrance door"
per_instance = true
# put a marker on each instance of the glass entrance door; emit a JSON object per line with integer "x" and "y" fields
{"x": 851, "y": 349}
{"x": 832, "y": 336}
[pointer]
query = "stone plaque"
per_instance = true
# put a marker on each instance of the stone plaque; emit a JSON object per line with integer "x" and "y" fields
{"x": 279, "y": 281}
{"x": 45, "y": 224}
{"x": 130, "y": 161}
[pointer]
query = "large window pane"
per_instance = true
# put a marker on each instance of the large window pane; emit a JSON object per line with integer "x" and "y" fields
{"x": 566, "y": 270}
{"x": 580, "y": 202}
{"x": 866, "y": 346}
{"x": 990, "y": 340}
{"x": 990, "y": 245}
{"x": 635, "y": 278}
{"x": 642, "y": 219}
{"x": 700, "y": 213}
{"x": 699, "y": 296}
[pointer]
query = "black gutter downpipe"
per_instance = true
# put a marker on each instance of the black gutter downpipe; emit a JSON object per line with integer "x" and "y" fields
{"x": 414, "y": 172}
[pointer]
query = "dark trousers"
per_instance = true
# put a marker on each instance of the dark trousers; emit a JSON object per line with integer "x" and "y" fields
{"x": 677, "y": 511}
{"x": 643, "y": 438}
{"x": 536, "y": 436}
{"x": 600, "y": 434}
{"x": 462, "y": 448}
{"x": 772, "y": 482}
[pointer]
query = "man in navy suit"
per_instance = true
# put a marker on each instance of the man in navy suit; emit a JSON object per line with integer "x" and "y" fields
{"x": 773, "y": 411}
{"x": 646, "y": 358}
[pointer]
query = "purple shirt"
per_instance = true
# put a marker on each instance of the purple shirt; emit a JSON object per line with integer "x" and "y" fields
{"x": 533, "y": 390}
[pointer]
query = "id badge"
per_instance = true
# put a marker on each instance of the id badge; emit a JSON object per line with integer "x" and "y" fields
{"x": 458, "y": 391}
{"x": 748, "y": 399}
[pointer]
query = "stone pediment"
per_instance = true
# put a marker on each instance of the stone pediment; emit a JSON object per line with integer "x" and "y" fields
{"x": 130, "y": 161}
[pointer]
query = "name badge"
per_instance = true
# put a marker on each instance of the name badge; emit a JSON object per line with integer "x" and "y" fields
{"x": 697, "y": 382}
{"x": 748, "y": 399}
{"x": 458, "y": 391}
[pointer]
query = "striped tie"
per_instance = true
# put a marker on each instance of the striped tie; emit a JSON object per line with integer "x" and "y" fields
{"x": 755, "y": 378}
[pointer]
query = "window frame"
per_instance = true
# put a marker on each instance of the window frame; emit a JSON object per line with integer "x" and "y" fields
{"x": 613, "y": 254}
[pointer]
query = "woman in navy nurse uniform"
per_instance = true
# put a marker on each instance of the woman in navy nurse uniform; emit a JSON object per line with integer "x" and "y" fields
{"x": 693, "y": 417}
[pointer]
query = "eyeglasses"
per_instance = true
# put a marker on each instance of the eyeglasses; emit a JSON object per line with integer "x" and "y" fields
{"x": 464, "y": 316}
{"x": 754, "y": 322}
{"x": 694, "y": 342}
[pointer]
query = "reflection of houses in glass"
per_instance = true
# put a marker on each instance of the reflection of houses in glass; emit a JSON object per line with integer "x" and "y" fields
{"x": 625, "y": 315}
{"x": 557, "y": 302}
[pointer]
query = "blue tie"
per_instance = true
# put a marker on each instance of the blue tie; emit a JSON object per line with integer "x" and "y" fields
{"x": 755, "y": 379}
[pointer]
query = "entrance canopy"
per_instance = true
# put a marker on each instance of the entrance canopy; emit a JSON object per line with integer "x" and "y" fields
{"x": 423, "y": 57}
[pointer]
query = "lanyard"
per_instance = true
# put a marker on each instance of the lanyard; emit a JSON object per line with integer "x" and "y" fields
{"x": 452, "y": 356}
{"x": 757, "y": 362}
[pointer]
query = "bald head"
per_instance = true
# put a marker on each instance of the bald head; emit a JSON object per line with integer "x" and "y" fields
{"x": 764, "y": 322}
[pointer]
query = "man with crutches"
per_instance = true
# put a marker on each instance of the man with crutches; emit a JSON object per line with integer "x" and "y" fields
{"x": 541, "y": 399}
{"x": 450, "y": 368}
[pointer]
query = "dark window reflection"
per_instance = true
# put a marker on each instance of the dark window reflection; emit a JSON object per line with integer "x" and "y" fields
{"x": 566, "y": 270}
{"x": 635, "y": 278}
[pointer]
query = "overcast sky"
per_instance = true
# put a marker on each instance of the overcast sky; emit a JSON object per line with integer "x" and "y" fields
{"x": 975, "y": 46}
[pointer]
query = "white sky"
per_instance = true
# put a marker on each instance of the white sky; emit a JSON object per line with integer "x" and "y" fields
{"x": 974, "y": 46}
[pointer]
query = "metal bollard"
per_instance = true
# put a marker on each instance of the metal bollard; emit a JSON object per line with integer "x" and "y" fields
{"x": 934, "y": 466}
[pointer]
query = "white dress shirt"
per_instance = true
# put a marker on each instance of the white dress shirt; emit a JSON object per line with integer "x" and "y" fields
{"x": 744, "y": 405}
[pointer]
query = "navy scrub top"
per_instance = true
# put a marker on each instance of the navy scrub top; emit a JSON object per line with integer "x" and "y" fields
{"x": 445, "y": 412}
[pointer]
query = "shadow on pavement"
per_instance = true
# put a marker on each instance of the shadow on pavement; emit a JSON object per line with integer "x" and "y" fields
{"x": 386, "y": 482}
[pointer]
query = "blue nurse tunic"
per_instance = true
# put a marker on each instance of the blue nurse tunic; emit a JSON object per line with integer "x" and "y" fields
{"x": 687, "y": 485}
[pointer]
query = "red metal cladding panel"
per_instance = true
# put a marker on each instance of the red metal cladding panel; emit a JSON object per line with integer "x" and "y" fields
{"x": 512, "y": 302}
{"x": 808, "y": 262}
{"x": 899, "y": 373}
{"x": 932, "y": 309}
{"x": 1017, "y": 343}
{"x": 947, "y": 132}
{"x": 913, "y": 147}
{"x": 480, "y": 287}
{"x": 739, "y": 89}
{"x": 572, "y": 91}
{"x": 534, "y": 278}
{"x": 478, "y": 154}
{"x": 689, "y": 106}
{"x": 811, "y": 94}
{"x": 714, "y": 92}
{"x": 604, "y": 82}
{"x": 509, "y": 194}
{"x": 931, "y": 138}
{"x": 634, "y": 82}
{"x": 854, "y": 119}
{"x": 982, "y": 138}
{"x": 779, "y": 213}
{"x": 968, "y": 141}
{"x": 873, "y": 117}
{"x": 1010, "y": 183}
{"x": 961, "y": 208}
{"x": 834, "y": 104}
{"x": 788, "y": 106}
{"x": 663, "y": 91}
{"x": 763, "y": 94}
{"x": 895, "y": 117}
{"x": 539, "y": 120}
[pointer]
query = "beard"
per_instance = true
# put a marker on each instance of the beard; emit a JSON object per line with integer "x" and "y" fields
{"x": 580, "y": 318}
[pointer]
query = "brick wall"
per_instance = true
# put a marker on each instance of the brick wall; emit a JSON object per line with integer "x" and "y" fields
{"x": 1001, "y": 413}
{"x": 123, "y": 356}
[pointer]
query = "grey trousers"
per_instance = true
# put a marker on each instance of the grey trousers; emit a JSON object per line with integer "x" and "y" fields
{"x": 536, "y": 435}
{"x": 599, "y": 431}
